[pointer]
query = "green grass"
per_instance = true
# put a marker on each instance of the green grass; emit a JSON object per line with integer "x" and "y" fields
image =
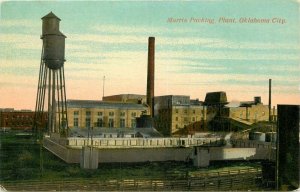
{"x": 20, "y": 160}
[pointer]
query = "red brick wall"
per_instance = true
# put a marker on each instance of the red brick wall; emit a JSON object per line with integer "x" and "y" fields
{"x": 19, "y": 119}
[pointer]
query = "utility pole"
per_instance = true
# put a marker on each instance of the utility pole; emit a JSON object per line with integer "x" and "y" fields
{"x": 270, "y": 98}
{"x": 103, "y": 86}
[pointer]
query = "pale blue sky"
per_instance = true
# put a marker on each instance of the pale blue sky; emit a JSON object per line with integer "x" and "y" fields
{"x": 110, "y": 38}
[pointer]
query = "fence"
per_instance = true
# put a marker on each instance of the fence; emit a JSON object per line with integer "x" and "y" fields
{"x": 242, "y": 179}
{"x": 143, "y": 142}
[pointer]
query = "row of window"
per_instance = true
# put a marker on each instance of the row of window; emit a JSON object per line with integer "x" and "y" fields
{"x": 100, "y": 113}
{"x": 185, "y": 111}
{"x": 255, "y": 113}
{"x": 19, "y": 124}
{"x": 186, "y": 119}
{"x": 100, "y": 122}
{"x": 18, "y": 117}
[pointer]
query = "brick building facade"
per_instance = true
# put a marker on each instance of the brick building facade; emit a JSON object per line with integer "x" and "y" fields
{"x": 18, "y": 119}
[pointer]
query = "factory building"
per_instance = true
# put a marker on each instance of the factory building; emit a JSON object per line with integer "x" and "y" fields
{"x": 252, "y": 111}
{"x": 91, "y": 113}
{"x": 175, "y": 112}
{"x": 19, "y": 119}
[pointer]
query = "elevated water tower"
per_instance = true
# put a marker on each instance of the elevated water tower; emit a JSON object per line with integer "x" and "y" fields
{"x": 51, "y": 92}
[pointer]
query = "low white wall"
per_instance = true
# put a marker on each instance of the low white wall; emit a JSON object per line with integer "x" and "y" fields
{"x": 141, "y": 142}
{"x": 239, "y": 153}
{"x": 114, "y": 155}
{"x": 206, "y": 154}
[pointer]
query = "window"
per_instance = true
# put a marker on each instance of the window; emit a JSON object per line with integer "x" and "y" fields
{"x": 194, "y": 111}
{"x": 87, "y": 113}
{"x": 111, "y": 113}
{"x": 76, "y": 112}
{"x": 99, "y": 122}
{"x": 193, "y": 119}
{"x": 133, "y": 123}
{"x": 185, "y": 119}
{"x": 122, "y": 114}
{"x": 88, "y": 122}
{"x": 133, "y": 114}
{"x": 100, "y": 113}
{"x": 122, "y": 123}
{"x": 185, "y": 111}
{"x": 76, "y": 122}
{"x": 110, "y": 122}
{"x": 176, "y": 110}
{"x": 176, "y": 118}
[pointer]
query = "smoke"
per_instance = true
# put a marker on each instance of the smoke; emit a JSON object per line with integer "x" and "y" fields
{"x": 233, "y": 103}
{"x": 210, "y": 114}
{"x": 227, "y": 139}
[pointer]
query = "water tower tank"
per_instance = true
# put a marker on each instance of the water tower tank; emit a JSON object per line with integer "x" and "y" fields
{"x": 53, "y": 42}
{"x": 54, "y": 50}
{"x": 50, "y": 24}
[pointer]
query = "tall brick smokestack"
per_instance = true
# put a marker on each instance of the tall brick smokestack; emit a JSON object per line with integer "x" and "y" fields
{"x": 150, "y": 75}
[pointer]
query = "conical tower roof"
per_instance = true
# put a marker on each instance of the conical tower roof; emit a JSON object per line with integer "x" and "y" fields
{"x": 50, "y": 15}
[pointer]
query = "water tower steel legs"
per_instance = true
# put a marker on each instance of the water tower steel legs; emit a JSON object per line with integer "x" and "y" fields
{"x": 39, "y": 105}
{"x": 52, "y": 82}
{"x": 53, "y": 103}
{"x": 49, "y": 102}
{"x": 65, "y": 114}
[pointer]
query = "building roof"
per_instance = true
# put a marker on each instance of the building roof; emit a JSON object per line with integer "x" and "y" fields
{"x": 239, "y": 120}
{"x": 196, "y": 102}
{"x": 51, "y": 15}
{"x": 247, "y": 103}
{"x": 216, "y": 98}
{"x": 104, "y": 104}
{"x": 126, "y": 95}
{"x": 98, "y": 131}
{"x": 7, "y": 109}
{"x": 13, "y": 110}
{"x": 174, "y": 96}
{"x": 133, "y": 98}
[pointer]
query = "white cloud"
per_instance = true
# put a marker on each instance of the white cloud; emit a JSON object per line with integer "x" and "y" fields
{"x": 76, "y": 48}
{"x": 18, "y": 23}
{"x": 18, "y": 38}
{"x": 19, "y": 63}
{"x": 138, "y": 30}
{"x": 230, "y": 55}
{"x": 121, "y": 39}
{"x": 253, "y": 45}
{"x": 134, "y": 34}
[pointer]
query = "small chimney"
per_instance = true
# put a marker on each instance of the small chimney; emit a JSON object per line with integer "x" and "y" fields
{"x": 270, "y": 103}
{"x": 150, "y": 75}
{"x": 257, "y": 100}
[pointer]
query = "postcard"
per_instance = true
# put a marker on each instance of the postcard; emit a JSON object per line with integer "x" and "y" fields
{"x": 149, "y": 95}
